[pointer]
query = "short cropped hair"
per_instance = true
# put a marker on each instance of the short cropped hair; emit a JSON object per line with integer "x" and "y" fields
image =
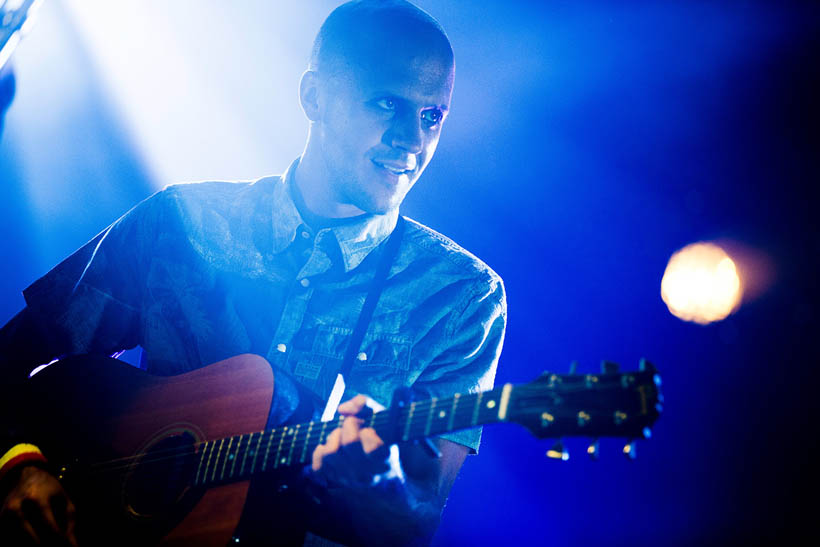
{"x": 349, "y": 24}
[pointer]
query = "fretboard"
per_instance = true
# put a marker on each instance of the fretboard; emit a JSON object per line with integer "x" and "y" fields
{"x": 240, "y": 457}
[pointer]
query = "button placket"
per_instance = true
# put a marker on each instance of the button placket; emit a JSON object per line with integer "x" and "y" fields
{"x": 289, "y": 324}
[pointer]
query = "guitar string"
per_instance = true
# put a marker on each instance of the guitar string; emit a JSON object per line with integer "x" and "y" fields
{"x": 272, "y": 436}
{"x": 381, "y": 419}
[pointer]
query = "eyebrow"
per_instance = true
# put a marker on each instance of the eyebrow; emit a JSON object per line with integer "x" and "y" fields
{"x": 392, "y": 95}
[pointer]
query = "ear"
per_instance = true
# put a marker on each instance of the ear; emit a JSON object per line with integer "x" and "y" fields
{"x": 309, "y": 94}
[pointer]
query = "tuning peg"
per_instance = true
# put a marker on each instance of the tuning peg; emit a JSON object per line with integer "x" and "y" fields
{"x": 646, "y": 365}
{"x": 558, "y": 452}
{"x": 629, "y": 450}
{"x": 573, "y": 367}
{"x": 594, "y": 449}
{"x": 608, "y": 367}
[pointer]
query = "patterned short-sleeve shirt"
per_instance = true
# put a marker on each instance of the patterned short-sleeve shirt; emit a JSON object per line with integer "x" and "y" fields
{"x": 200, "y": 272}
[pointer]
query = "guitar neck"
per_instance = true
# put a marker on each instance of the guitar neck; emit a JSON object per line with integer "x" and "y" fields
{"x": 242, "y": 456}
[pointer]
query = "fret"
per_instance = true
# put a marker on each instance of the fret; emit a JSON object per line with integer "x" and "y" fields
{"x": 227, "y": 457}
{"x": 456, "y": 397}
{"x": 477, "y": 407}
{"x": 321, "y": 438}
{"x": 216, "y": 462}
{"x": 307, "y": 443}
{"x": 430, "y": 416}
{"x": 245, "y": 457}
{"x": 208, "y": 463}
{"x": 236, "y": 455}
{"x": 293, "y": 443}
{"x": 505, "y": 401}
{"x": 406, "y": 434}
{"x": 279, "y": 446}
{"x": 256, "y": 452}
{"x": 267, "y": 450}
{"x": 203, "y": 450}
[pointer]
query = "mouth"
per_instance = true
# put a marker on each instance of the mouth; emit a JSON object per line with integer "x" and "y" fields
{"x": 393, "y": 169}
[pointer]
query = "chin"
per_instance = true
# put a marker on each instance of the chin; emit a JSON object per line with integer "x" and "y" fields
{"x": 379, "y": 204}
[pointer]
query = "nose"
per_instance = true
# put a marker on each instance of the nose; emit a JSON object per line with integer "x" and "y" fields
{"x": 406, "y": 133}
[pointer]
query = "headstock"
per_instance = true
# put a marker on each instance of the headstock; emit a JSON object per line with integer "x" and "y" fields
{"x": 608, "y": 404}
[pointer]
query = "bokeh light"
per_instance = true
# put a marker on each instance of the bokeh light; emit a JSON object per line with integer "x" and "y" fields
{"x": 701, "y": 284}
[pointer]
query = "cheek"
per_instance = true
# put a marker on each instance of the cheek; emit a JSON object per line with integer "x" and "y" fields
{"x": 352, "y": 128}
{"x": 430, "y": 149}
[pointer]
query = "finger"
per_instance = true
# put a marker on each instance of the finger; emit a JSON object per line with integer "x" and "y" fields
{"x": 31, "y": 532}
{"x": 318, "y": 453}
{"x": 39, "y": 515}
{"x": 47, "y": 516}
{"x": 331, "y": 445}
{"x": 16, "y": 530}
{"x": 333, "y": 441}
{"x": 350, "y": 430}
{"x": 71, "y": 521}
{"x": 353, "y": 406}
{"x": 370, "y": 440}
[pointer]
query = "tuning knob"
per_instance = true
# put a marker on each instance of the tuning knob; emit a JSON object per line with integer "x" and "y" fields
{"x": 558, "y": 452}
{"x": 629, "y": 450}
{"x": 608, "y": 367}
{"x": 594, "y": 449}
{"x": 646, "y": 365}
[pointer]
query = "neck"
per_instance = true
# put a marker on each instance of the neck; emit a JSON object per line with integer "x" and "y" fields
{"x": 313, "y": 177}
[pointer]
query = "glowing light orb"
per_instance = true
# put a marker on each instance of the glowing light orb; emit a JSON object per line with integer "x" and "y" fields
{"x": 701, "y": 284}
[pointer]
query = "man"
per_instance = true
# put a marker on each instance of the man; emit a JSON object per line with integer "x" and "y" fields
{"x": 280, "y": 267}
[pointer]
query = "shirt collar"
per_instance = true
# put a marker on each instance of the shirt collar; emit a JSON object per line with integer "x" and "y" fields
{"x": 355, "y": 240}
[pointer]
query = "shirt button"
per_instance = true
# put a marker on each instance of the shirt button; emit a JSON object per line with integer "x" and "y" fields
{"x": 306, "y": 234}
{"x": 305, "y": 282}
{"x": 362, "y": 356}
{"x": 281, "y": 348}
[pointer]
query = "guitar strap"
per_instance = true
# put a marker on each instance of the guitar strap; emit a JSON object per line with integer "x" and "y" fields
{"x": 388, "y": 255}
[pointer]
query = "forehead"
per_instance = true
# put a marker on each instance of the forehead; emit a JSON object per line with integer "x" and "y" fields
{"x": 414, "y": 66}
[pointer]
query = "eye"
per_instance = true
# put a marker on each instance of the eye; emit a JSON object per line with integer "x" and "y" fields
{"x": 386, "y": 104}
{"x": 432, "y": 117}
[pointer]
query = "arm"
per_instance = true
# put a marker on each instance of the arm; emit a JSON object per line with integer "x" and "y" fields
{"x": 395, "y": 511}
{"x": 33, "y": 505}
{"x": 66, "y": 313}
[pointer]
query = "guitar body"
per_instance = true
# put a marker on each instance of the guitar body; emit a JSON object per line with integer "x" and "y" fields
{"x": 121, "y": 412}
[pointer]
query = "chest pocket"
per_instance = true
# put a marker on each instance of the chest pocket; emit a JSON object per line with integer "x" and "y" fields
{"x": 383, "y": 363}
{"x": 377, "y": 349}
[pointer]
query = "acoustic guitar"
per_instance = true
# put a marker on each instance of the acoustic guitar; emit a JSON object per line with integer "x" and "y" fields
{"x": 168, "y": 459}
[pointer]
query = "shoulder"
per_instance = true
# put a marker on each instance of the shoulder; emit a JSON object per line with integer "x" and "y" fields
{"x": 450, "y": 258}
{"x": 217, "y": 196}
{"x": 223, "y": 221}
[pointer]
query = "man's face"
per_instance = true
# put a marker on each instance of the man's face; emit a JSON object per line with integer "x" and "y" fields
{"x": 381, "y": 121}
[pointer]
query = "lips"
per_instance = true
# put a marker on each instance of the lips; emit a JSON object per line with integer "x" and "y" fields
{"x": 394, "y": 168}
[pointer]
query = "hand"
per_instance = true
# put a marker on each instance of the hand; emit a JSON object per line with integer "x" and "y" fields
{"x": 352, "y": 455}
{"x": 37, "y": 511}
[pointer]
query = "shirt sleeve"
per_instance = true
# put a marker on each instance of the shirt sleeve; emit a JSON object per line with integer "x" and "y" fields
{"x": 467, "y": 363}
{"x": 89, "y": 303}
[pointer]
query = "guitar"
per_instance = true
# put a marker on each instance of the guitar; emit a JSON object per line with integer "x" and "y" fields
{"x": 169, "y": 459}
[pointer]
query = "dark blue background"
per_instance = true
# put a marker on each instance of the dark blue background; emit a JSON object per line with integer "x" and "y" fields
{"x": 588, "y": 142}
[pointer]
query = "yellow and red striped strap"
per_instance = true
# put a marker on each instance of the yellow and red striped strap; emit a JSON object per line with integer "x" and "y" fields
{"x": 18, "y": 454}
